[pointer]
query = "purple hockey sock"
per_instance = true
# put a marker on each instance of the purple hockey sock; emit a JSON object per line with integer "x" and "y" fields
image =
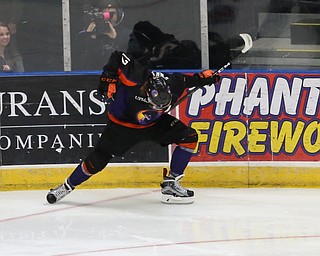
{"x": 179, "y": 162}
{"x": 79, "y": 175}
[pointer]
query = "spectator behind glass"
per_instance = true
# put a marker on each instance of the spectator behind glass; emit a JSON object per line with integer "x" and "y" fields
{"x": 103, "y": 34}
{"x": 10, "y": 59}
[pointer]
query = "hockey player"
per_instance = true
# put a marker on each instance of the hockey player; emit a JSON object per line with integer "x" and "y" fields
{"x": 140, "y": 100}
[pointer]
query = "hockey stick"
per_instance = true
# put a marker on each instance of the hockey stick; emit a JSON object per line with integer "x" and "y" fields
{"x": 247, "y": 46}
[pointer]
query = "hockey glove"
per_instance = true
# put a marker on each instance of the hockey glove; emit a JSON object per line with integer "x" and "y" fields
{"x": 207, "y": 77}
{"x": 108, "y": 85}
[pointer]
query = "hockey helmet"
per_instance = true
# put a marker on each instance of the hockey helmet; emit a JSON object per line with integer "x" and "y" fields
{"x": 159, "y": 94}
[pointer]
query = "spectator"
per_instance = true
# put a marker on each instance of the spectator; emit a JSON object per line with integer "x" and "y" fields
{"x": 10, "y": 59}
{"x": 102, "y": 35}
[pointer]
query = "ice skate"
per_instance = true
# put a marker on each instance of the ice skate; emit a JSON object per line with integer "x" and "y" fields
{"x": 58, "y": 193}
{"x": 173, "y": 193}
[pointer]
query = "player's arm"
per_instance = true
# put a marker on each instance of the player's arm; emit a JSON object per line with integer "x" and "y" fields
{"x": 205, "y": 77}
{"x": 109, "y": 77}
{"x": 113, "y": 63}
{"x": 182, "y": 81}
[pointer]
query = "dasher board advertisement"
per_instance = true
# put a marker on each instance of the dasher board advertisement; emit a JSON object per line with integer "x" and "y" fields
{"x": 256, "y": 117}
{"x": 57, "y": 119}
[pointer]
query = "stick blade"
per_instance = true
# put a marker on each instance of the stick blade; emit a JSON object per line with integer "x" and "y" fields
{"x": 247, "y": 42}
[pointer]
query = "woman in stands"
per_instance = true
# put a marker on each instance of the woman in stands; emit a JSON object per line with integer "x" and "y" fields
{"x": 10, "y": 59}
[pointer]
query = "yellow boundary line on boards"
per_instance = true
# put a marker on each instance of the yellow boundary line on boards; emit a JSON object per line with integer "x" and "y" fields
{"x": 142, "y": 176}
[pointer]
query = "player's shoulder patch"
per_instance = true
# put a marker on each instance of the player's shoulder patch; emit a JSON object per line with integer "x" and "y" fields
{"x": 124, "y": 59}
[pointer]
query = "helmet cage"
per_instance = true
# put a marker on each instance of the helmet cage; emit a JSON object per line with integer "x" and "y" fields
{"x": 159, "y": 94}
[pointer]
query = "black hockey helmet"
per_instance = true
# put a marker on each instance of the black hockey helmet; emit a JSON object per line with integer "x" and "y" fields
{"x": 159, "y": 94}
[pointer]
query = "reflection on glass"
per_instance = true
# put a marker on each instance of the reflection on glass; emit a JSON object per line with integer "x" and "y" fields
{"x": 103, "y": 33}
{"x": 286, "y": 32}
{"x": 110, "y": 25}
{"x": 159, "y": 50}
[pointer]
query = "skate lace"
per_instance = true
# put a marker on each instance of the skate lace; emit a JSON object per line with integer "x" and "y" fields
{"x": 177, "y": 184}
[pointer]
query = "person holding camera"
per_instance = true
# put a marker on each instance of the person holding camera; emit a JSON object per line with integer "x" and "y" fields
{"x": 103, "y": 34}
{"x": 104, "y": 22}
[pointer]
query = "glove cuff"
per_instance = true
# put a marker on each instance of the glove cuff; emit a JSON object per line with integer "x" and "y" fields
{"x": 204, "y": 78}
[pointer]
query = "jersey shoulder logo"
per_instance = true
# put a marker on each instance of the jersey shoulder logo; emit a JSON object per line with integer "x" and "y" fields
{"x": 146, "y": 117}
{"x": 125, "y": 59}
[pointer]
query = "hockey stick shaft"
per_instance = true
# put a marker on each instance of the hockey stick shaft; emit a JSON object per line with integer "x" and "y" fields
{"x": 247, "y": 46}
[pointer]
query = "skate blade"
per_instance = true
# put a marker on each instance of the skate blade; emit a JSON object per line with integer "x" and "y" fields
{"x": 170, "y": 199}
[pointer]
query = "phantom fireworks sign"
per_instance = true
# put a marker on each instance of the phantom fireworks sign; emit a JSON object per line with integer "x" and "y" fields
{"x": 257, "y": 117}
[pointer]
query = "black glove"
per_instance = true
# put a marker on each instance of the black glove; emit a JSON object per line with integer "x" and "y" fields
{"x": 207, "y": 77}
{"x": 108, "y": 85}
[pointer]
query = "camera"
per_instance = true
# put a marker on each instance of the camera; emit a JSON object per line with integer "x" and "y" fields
{"x": 100, "y": 18}
{"x": 94, "y": 14}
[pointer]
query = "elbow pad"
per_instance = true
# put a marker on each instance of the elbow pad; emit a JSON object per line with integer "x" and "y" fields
{"x": 108, "y": 85}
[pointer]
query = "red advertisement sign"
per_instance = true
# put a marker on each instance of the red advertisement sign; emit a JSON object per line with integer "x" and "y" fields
{"x": 256, "y": 117}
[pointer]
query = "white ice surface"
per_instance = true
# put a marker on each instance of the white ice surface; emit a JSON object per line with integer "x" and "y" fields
{"x": 133, "y": 222}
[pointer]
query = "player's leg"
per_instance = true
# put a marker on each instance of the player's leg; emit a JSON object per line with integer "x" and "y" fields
{"x": 93, "y": 164}
{"x": 113, "y": 141}
{"x": 172, "y": 191}
{"x": 186, "y": 139}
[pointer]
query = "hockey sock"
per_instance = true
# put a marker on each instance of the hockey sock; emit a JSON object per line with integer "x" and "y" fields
{"x": 180, "y": 160}
{"x": 79, "y": 175}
